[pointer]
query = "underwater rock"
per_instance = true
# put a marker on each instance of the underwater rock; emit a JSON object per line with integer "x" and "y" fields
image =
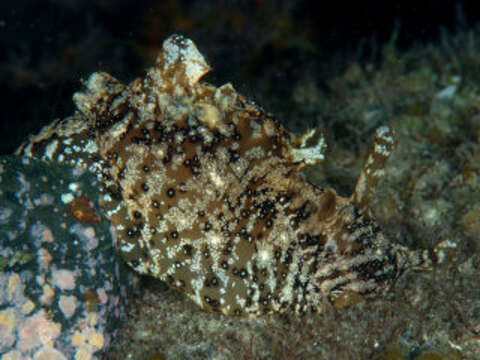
{"x": 62, "y": 289}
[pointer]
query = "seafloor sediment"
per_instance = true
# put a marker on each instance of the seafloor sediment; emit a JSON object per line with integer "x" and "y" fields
{"x": 429, "y": 197}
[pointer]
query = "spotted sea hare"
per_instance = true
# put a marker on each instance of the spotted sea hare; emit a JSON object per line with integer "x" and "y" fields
{"x": 204, "y": 190}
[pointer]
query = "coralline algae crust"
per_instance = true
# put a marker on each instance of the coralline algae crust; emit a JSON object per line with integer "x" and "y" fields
{"x": 205, "y": 193}
{"x": 62, "y": 290}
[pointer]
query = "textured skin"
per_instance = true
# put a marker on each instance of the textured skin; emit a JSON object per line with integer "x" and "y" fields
{"x": 205, "y": 193}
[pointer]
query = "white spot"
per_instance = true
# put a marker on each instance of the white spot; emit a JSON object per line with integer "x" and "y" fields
{"x": 264, "y": 254}
{"x": 216, "y": 179}
{"x": 447, "y": 93}
{"x": 127, "y": 247}
{"x": 310, "y": 155}
{"x": 215, "y": 240}
{"x": 73, "y": 186}
{"x": 66, "y": 198}
{"x": 382, "y": 149}
{"x": 64, "y": 279}
{"x": 67, "y": 305}
{"x": 383, "y": 131}
{"x": 240, "y": 301}
{"x": 90, "y": 147}
{"x": 51, "y": 148}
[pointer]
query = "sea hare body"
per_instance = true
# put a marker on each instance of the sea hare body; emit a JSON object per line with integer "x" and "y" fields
{"x": 205, "y": 193}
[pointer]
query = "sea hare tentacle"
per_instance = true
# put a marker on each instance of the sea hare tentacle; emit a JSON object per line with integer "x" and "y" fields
{"x": 204, "y": 190}
{"x": 373, "y": 170}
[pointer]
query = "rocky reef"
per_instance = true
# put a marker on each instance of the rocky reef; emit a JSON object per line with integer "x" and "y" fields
{"x": 427, "y": 199}
{"x": 62, "y": 288}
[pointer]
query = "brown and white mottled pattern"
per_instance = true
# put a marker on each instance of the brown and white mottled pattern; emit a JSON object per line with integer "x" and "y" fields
{"x": 205, "y": 193}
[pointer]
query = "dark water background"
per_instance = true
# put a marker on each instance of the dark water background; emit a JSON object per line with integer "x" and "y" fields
{"x": 47, "y": 47}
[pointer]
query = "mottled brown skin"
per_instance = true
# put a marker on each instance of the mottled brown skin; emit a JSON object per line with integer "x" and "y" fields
{"x": 205, "y": 193}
